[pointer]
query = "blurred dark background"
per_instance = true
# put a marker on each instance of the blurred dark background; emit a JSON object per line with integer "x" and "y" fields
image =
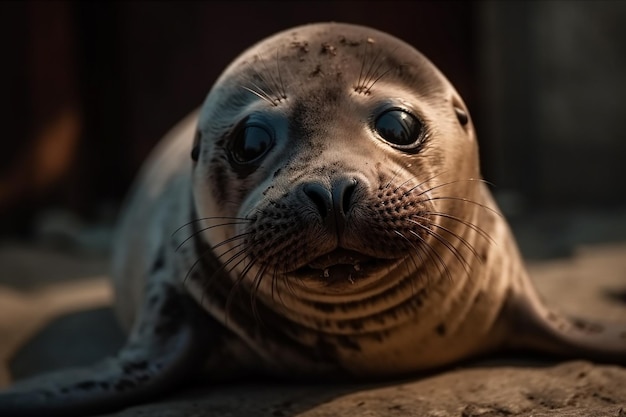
{"x": 89, "y": 88}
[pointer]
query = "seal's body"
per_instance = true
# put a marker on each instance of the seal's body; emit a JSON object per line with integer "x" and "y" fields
{"x": 321, "y": 214}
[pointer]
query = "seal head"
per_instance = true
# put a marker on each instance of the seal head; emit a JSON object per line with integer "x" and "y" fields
{"x": 334, "y": 164}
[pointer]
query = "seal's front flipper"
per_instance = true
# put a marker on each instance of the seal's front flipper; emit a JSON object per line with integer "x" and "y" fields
{"x": 537, "y": 328}
{"x": 165, "y": 347}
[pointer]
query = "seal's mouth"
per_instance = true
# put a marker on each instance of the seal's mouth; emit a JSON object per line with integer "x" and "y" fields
{"x": 341, "y": 265}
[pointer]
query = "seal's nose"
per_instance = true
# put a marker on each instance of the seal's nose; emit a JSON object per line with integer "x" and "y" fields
{"x": 332, "y": 203}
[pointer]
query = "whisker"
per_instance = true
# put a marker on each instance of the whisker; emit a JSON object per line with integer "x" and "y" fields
{"x": 256, "y": 283}
{"x": 410, "y": 243}
{"x": 458, "y": 255}
{"x": 210, "y": 250}
{"x": 393, "y": 177}
{"x": 273, "y": 84}
{"x": 197, "y": 232}
{"x": 466, "y": 200}
{"x": 410, "y": 190}
{"x": 418, "y": 252}
{"x": 441, "y": 266}
{"x": 467, "y": 223}
{"x": 273, "y": 287}
{"x": 376, "y": 80}
{"x": 372, "y": 81}
{"x": 281, "y": 87}
{"x": 452, "y": 233}
{"x": 371, "y": 71}
{"x": 220, "y": 270}
{"x": 229, "y": 240}
{"x": 261, "y": 94}
{"x": 242, "y": 219}
{"x": 288, "y": 285}
{"x": 242, "y": 277}
{"x": 286, "y": 282}
{"x": 408, "y": 272}
{"x": 235, "y": 286}
{"x": 441, "y": 185}
{"x": 433, "y": 251}
{"x": 358, "y": 83}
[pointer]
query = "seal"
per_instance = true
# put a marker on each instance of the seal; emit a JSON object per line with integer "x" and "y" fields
{"x": 322, "y": 214}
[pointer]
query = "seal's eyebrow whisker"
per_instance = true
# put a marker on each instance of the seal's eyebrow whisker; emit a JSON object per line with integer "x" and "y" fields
{"x": 371, "y": 68}
{"x": 372, "y": 71}
{"x": 281, "y": 85}
{"x": 379, "y": 77}
{"x": 275, "y": 85}
{"x": 369, "y": 88}
{"x": 358, "y": 83}
{"x": 262, "y": 95}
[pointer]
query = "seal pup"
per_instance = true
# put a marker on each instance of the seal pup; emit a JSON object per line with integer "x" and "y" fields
{"x": 322, "y": 214}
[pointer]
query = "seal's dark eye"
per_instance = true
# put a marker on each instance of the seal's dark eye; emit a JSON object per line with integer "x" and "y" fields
{"x": 250, "y": 143}
{"x": 399, "y": 127}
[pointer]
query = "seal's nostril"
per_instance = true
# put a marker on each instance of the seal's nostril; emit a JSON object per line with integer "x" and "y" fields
{"x": 321, "y": 197}
{"x": 346, "y": 190}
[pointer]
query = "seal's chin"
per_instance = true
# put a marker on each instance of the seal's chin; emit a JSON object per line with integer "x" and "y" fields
{"x": 341, "y": 266}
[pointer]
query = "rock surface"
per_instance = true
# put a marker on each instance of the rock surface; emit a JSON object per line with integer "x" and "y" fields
{"x": 570, "y": 389}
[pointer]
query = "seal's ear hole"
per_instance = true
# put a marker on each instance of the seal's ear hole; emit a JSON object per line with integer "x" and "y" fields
{"x": 195, "y": 151}
{"x": 461, "y": 115}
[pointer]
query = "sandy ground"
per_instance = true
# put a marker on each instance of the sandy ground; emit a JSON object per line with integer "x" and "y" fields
{"x": 54, "y": 313}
